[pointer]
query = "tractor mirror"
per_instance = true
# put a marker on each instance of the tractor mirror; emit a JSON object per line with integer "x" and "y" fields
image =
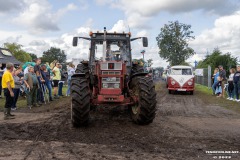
{"x": 75, "y": 41}
{"x": 145, "y": 41}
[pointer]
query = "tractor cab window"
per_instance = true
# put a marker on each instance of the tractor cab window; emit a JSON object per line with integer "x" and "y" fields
{"x": 115, "y": 51}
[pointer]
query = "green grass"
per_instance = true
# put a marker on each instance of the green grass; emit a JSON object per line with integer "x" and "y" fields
{"x": 203, "y": 89}
{"x": 206, "y": 94}
{"x": 22, "y": 102}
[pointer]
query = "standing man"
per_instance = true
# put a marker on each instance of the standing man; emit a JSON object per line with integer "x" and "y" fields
{"x": 1, "y": 74}
{"x": 222, "y": 75}
{"x": 32, "y": 85}
{"x": 40, "y": 80}
{"x": 56, "y": 79}
{"x": 8, "y": 85}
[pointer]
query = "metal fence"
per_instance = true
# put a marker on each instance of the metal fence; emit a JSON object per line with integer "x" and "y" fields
{"x": 203, "y": 76}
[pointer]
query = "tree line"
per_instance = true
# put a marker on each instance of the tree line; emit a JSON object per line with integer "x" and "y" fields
{"x": 49, "y": 55}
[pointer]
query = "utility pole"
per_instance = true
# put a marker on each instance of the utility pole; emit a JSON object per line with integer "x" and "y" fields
{"x": 143, "y": 51}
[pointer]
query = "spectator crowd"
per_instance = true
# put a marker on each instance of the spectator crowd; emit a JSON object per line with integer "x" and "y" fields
{"x": 40, "y": 83}
{"x": 223, "y": 85}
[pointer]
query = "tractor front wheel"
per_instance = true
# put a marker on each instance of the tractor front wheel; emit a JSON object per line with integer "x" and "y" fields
{"x": 143, "y": 112}
{"x": 80, "y": 107}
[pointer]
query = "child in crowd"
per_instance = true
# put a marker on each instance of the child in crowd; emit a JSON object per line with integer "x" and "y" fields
{"x": 218, "y": 90}
{"x": 230, "y": 85}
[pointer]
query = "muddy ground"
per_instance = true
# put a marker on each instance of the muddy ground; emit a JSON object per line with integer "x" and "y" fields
{"x": 185, "y": 127}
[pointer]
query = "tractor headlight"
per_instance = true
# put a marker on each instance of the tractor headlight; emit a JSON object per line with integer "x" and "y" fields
{"x": 173, "y": 82}
{"x": 105, "y": 85}
{"x": 116, "y": 85}
{"x": 190, "y": 83}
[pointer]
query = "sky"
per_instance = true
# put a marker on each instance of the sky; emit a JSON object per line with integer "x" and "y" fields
{"x": 39, "y": 25}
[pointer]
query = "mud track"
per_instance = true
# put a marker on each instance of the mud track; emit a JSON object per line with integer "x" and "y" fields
{"x": 185, "y": 127}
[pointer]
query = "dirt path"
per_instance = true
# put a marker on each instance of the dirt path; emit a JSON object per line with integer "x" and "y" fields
{"x": 185, "y": 128}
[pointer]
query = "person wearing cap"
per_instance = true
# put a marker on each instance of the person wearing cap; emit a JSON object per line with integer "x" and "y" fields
{"x": 236, "y": 80}
{"x": 8, "y": 85}
{"x": 222, "y": 75}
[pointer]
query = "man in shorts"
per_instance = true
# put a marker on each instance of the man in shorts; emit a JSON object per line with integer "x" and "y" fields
{"x": 56, "y": 79}
{"x": 222, "y": 75}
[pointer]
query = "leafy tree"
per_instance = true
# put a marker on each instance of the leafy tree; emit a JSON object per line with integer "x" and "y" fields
{"x": 216, "y": 58}
{"x": 54, "y": 54}
{"x": 185, "y": 64}
{"x": 173, "y": 42}
{"x": 18, "y": 52}
{"x": 33, "y": 56}
{"x": 149, "y": 62}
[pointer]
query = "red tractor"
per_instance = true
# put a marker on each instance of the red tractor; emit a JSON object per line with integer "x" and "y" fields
{"x": 110, "y": 78}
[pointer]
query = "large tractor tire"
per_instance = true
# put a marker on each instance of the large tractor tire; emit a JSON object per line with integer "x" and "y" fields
{"x": 83, "y": 68}
{"x": 80, "y": 107}
{"x": 136, "y": 68}
{"x": 143, "y": 112}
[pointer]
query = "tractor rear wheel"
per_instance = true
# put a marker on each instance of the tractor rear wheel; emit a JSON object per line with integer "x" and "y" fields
{"x": 80, "y": 107}
{"x": 136, "y": 68}
{"x": 83, "y": 68}
{"x": 144, "y": 90}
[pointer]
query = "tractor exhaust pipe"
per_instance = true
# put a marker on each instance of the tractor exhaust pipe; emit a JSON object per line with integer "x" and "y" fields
{"x": 104, "y": 44}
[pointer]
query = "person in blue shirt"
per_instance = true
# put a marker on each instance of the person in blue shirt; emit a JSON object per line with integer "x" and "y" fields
{"x": 215, "y": 80}
{"x": 47, "y": 78}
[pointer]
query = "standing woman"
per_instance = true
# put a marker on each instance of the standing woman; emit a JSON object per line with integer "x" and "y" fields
{"x": 236, "y": 80}
{"x": 215, "y": 79}
{"x": 16, "y": 89}
{"x": 47, "y": 77}
{"x": 231, "y": 85}
{"x": 71, "y": 71}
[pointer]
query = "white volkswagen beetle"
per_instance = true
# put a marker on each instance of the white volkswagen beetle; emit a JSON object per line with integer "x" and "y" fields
{"x": 180, "y": 78}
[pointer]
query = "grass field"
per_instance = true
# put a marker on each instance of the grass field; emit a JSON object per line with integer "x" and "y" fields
{"x": 206, "y": 94}
{"x": 22, "y": 102}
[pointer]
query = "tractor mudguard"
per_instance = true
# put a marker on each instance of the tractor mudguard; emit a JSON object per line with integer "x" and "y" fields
{"x": 139, "y": 74}
{"x": 79, "y": 75}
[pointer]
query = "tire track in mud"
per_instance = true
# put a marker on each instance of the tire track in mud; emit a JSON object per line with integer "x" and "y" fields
{"x": 172, "y": 135}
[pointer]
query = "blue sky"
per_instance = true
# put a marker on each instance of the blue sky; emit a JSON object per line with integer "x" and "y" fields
{"x": 38, "y": 25}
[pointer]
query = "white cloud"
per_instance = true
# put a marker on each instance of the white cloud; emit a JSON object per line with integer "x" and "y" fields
{"x": 139, "y": 12}
{"x": 120, "y": 26}
{"x": 224, "y": 35}
{"x": 38, "y": 17}
{"x": 10, "y": 5}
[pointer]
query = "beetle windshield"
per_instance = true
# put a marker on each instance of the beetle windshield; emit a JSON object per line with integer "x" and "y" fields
{"x": 181, "y": 71}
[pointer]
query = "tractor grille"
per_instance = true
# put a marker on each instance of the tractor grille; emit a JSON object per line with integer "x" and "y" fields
{"x": 111, "y": 80}
{"x": 111, "y": 72}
